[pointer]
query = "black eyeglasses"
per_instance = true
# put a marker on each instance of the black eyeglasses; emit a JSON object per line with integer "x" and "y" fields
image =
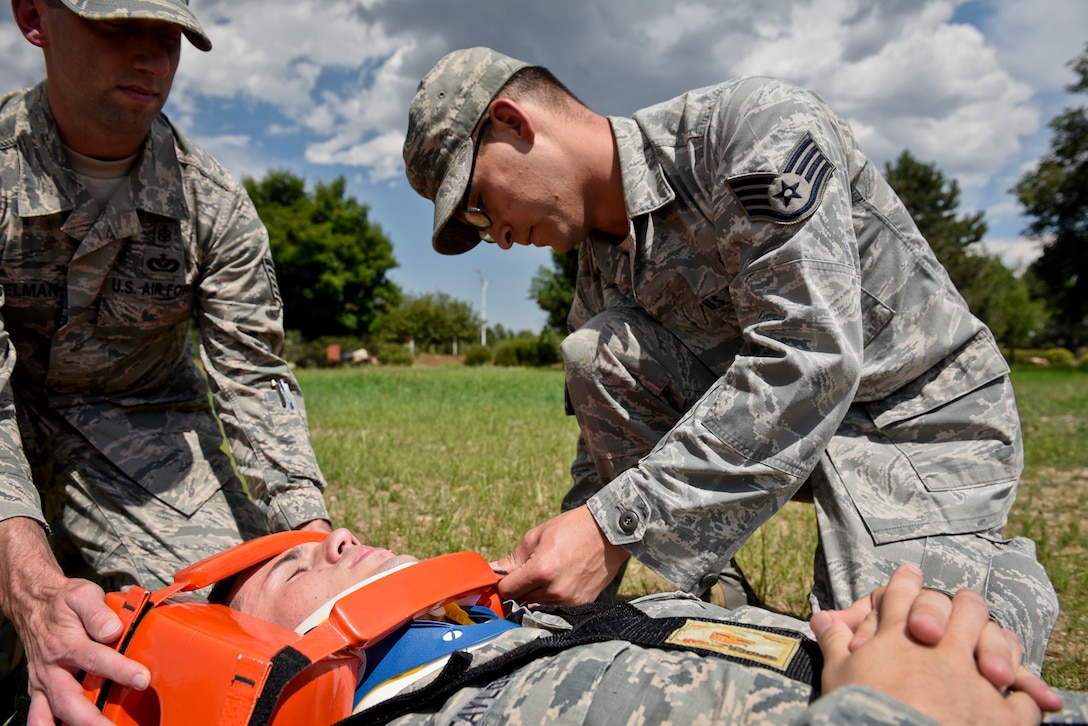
{"x": 474, "y": 216}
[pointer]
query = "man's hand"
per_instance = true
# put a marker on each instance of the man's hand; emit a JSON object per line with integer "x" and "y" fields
{"x": 63, "y": 624}
{"x": 566, "y": 560}
{"x": 998, "y": 654}
{"x": 941, "y": 678}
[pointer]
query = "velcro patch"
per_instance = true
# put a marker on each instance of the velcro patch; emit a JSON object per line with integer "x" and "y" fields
{"x": 790, "y": 195}
{"x": 756, "y": 646}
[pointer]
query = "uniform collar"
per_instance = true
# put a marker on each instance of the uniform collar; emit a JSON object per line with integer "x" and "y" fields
{"x": 645, "y": 187}
{"x": 47, "y": 183}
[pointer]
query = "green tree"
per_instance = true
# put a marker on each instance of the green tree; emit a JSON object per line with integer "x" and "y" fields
{"x": 433, "y": 321}
{"x": 553, "y": 289}
{"x": 1055, "y": 196}
{"x": 992, "y": 291}
{"x": 1004, "y": 302}
{"x": 331, "y": 260}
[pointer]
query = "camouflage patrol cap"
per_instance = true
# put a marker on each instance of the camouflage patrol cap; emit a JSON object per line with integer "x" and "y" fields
{"x": 176, "y": 12}
{"x": 448, "y": 106}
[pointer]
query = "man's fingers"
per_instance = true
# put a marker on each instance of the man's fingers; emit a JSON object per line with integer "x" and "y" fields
{"x": 1037, "y": 690}
{"x": 98, "y": 619}
{"x": 66, "y": 703}
{"x": 1024, "y": 709}
{"x": 39, "y": 714}
{"x": 833, "y": 636}
{"x": 929, "y": 616}
{"x": 865, "y": 631}
{"x": 108, "y": 663}
{"x": 88, "y": 602}
{"x": 899, "y": 596}
{"x": 515, "y": 585}
{"x": 998, "y": 656}
{"x": 523, "y": 579}
{"x": 859, "y": 610}
{"x": 970, "y": 615}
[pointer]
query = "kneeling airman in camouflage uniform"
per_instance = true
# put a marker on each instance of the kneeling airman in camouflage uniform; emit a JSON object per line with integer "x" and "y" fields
{"x": 756, "y": 316}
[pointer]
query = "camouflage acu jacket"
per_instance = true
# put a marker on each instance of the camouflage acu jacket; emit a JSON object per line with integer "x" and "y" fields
{"x": 743, "y": 681}
{"x": 776, "y": 251}
{"x": 97, "y": 308}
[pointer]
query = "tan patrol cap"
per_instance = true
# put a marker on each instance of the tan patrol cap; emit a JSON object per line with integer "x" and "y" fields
{"x": 448, "y": 106}
{"x": 176, "y": 12}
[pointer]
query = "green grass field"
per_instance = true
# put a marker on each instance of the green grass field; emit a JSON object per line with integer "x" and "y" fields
{"x": 432, "y": 460}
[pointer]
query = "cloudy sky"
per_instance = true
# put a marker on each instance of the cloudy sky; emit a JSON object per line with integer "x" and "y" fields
{"x": 322, "y": 87}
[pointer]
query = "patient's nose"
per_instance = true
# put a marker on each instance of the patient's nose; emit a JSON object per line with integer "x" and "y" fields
{"x": 338, "y": 542}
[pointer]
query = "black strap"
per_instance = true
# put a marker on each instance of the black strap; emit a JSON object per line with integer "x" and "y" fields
{"x": 593, "y": 623}
{"x": 286, "y": 664}
{"x": 104, "y": 692}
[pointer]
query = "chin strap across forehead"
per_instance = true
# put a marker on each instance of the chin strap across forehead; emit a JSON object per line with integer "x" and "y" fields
{"x": 211, "y": 664}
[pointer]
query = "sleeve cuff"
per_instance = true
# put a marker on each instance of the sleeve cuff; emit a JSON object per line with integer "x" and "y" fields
{"x": 862, "y": 705}
{"x": 295, "y": 508}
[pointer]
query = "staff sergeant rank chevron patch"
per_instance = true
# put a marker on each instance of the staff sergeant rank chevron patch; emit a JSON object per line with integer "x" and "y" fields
{"x": 791, "y": 195}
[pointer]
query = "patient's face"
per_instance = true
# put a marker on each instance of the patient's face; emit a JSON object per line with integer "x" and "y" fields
{"x": 288, "y": 588}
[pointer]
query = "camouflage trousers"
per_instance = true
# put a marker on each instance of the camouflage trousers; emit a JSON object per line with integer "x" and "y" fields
{"x": 624, "y": 411}
{"x": 107, "y": 528}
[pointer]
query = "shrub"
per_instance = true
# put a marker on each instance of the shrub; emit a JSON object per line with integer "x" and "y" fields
{"x": 1060, "y": 357}
{"x": 509, "y": 353}
{"x": 477, "y": 355}
{"x": 393, "y": 354}
{"x": 303, "y": 353}
{"x": 548, "y": 348}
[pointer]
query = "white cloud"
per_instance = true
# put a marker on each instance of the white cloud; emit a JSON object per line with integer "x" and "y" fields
{"x": 380, "y": 155}
{"x": 1035, "y": 40}
{"x": 236, "y": 152}
{"x": 277, "y": 52}
{"x": 325, "y": 85}
{"x": 1016, "y": 252}
{"x": 913, "y": 81}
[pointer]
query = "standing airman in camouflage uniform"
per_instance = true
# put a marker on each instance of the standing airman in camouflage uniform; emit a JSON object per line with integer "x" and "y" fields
{"x": 755, "y": 313}
{"x": 115, "y": 231}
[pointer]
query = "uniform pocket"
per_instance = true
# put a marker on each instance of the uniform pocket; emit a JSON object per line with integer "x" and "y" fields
{"x": 952, "y": 469}
{"x": 175, "y": 456}
{"x": 133, "y": 308}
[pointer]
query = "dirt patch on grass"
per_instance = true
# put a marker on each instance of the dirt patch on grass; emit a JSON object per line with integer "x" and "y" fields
{"x": 429, "y": 360}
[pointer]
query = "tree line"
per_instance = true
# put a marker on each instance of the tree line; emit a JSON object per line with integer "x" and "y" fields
{"x": 333, "y": 263}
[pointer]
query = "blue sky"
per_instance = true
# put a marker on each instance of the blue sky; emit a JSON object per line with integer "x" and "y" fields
{"x": 322, "y": 87}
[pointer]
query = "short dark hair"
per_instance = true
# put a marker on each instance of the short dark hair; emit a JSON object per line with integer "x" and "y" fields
{"x": 540, "y": 84}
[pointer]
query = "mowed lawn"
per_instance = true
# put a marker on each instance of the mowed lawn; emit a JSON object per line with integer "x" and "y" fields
{"x": 439, "y": 459}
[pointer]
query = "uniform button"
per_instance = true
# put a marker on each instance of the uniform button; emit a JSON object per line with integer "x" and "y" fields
{"x": 707, "y": 582}
{"x": 628, "y": 522}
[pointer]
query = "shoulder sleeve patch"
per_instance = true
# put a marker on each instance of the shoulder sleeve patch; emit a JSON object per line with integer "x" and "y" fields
{"x": 791, "y": 195}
